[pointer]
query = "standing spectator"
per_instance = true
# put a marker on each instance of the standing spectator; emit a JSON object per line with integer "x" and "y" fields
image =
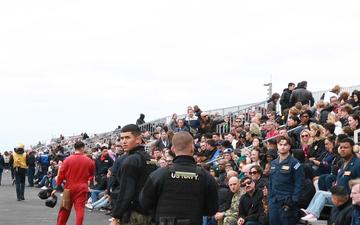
{"x": 334, "y": 92}
{"x": 126, "y": 206}
{"x": 285, "y": 186}
{"x": 197, "y": 111}
{"x": 207, "y": 125}
{"x": 271, "y": 107}
{"x": 355, "y": 196}
{"x": 31, "y": 169}
{"x": 300, "y": 94}
{"x": 6, "y": 161}
{"x": 19, "y": 161}
{"x": 140, "y": 120}
{"x": 285, "y": 99}
{"x": 181, "y": 126}
{"x": 173, "y": 122}
{"x": 77, "y": 170}
{"x": 169, "y": 191}
{"x": 192, "y": 121}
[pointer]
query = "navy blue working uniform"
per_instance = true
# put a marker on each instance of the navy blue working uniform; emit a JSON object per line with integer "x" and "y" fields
{"x": 285, "y": 185}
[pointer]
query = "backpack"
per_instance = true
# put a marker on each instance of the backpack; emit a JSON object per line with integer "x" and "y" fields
{"x": 44, "y": 160}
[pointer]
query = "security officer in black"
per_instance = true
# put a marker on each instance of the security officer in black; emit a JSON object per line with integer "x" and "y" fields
{"x": 129, "y": 176}
{"x": 285, "y": 185}
{"x": 183, "y": 193}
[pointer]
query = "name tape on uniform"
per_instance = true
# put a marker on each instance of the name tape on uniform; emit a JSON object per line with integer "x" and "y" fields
{"x": 184, "y": 175}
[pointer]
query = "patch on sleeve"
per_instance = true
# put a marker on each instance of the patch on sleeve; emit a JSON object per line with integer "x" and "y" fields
{"x": 297, "y": 165}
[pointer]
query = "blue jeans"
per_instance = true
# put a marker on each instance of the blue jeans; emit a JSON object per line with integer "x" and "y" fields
{"x": 101, "y": 203}
{"x": 94, "y": 195}
{"x": 19, "y": 174}
{"x": 252, "y": 223}
{"x": 31, "y": 174}
{"x": 318, "y": 202}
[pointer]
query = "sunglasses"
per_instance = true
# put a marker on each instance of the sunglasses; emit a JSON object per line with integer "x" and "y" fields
{"x": 238, "y": 121}
{"x": 246, "y": 183}
{"x": 253, "y": 172}
{"x": 306, "y": 135}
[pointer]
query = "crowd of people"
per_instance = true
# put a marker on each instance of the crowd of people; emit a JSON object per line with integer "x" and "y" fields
{"x": 271, "y": 167}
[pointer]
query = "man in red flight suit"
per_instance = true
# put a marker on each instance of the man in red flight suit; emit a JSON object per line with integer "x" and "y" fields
{"x": 77, "y": 171}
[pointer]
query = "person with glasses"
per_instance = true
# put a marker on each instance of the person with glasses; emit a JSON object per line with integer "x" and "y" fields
{"x": 285, "y": 185}
{"x": 256, "y": 174}
{"x": 305, "y": 118}
{"x": 250, "y": 203}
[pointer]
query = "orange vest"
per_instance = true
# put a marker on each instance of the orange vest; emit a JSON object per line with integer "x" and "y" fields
{"x": 19, "y": 160}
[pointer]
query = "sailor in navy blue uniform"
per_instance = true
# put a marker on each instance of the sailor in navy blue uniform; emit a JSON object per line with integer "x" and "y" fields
{"x": 285, "y": 185}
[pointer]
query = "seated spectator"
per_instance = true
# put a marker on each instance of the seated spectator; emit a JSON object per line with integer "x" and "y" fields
{"x": 256, "y": 174}
{"x": 250, "y": 203}
{"x": 355, "y": 196}
{"x": 349, "y": 170}
{"x": 271, "y": 129}
{"x": 163, "y": 142}
{"x": 341, "y": 212}
{"x": 229, "y": 216}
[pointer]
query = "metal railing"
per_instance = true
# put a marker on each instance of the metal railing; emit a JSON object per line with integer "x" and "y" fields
{"x": 235, "y": 111}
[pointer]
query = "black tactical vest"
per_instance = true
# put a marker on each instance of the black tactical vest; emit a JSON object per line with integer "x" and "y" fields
{"x": 182, "y": 194}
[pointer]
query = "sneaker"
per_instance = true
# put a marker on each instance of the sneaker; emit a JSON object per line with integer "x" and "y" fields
{"x": 89, "y": 206}
{"x": 304, "y": 212}
{"x": 310, "y": 218}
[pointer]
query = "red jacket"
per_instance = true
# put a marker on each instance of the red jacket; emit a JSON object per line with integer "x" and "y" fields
{"x": 77, "y": 170}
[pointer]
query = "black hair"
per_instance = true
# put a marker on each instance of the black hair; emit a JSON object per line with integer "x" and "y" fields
{"x": 227, "y": 144}
{"x": 132, "y": 128}
{"x": 339, "y": 191}
{"x": 330, "y": 127}
{"x": 244, "y": 179}
{"x": 348, "y": 140}
{"x": 212, "y": 143}
{"x": 78, "y": 145}
{"x": 295, "y": 118}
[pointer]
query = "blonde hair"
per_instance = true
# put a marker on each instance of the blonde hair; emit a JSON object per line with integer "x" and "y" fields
{"x": 354, "y": 182}
{"x": 320, "y": 131}
{"x": 309, "y": 142}
{"x": 294, "y": 111}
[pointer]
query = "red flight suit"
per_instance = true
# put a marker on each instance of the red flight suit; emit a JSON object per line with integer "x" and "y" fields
{"x": 77, "y": 170}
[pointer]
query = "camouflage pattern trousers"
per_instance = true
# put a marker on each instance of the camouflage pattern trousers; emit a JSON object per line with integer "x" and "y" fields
{"x": 137, "y": 219}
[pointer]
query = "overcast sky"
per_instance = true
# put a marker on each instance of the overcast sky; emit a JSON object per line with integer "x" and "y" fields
{"x": 73, "y": 66}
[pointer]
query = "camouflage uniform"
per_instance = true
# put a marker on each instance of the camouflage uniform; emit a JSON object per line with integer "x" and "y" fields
{"x": 231, "y": 214}
{"x": 137, "y": 219}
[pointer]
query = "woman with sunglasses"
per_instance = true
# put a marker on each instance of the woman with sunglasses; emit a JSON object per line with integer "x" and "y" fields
{"x": 305, "y": 142}
{"x": 256, "y": 174}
